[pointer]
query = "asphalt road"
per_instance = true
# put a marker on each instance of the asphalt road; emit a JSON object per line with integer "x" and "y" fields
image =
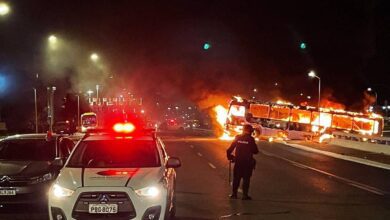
{"x": 288, "y": 183}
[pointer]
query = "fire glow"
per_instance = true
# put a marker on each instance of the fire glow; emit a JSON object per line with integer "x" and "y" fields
{"x": 221, "y": 116}
{"x": 320, "y": 121}
{"x": 284, "y": 117}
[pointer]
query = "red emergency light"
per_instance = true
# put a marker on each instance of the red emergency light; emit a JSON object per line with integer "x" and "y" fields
{"x": 116, "y": 172}
{"x": 124, "y": 127}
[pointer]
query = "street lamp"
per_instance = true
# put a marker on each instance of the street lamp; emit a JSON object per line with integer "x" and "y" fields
{"x": 312, "y": 74}
{"x": 89, "y": 92}
{"x": 4, "y": 9}
{"x": 53, "y": 42}
{"x": 52, "y": 39}
{"x": 94, "y": 57}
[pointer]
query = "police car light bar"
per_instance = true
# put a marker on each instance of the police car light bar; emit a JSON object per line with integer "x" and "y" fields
{"x": 124, "y": 127}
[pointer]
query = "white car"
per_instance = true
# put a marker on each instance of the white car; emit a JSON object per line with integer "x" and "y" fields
{"x": 116, "y": 175}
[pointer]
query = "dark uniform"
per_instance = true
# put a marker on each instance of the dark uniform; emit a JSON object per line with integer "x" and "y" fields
{"x": 245, "y": 147}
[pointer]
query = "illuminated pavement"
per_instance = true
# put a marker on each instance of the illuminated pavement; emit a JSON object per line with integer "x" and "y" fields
{"x": 288, "y": 183}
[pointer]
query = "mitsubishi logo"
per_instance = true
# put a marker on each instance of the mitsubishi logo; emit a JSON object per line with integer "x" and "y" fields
{"x": 104, "y": 198}
{"x": 5, "y": 179}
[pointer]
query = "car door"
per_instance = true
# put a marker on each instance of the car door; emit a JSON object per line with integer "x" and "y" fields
{"x": 170, "y": 175}
{"x": 66, "y": 146}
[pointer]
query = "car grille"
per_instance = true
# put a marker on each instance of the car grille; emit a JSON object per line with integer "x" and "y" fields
{"x": 17, "y": 181}
{"x": 125, "y": 206}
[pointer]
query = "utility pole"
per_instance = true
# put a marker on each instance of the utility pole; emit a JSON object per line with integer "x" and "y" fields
{"x": 50, "y": 106}
{"x": 36, "y": 110}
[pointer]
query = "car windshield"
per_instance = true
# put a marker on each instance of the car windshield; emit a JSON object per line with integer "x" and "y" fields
{"x": 115, "y": 153}
{"x": 27, "y": 150}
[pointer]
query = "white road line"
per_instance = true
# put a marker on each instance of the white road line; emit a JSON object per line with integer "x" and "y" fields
{"x": 212, "y": 166}
{"x": 342, "y": 157}
{"x": 342, "y": 179}
{"x": 199, "y": 154}
{"x": 192, "y": 146}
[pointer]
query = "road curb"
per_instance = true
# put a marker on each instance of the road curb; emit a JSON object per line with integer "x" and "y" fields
{"x": 342, "y": 157}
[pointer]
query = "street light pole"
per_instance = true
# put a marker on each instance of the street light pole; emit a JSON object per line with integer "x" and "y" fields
{"x": 319, "y": 92}
{"x": 376, "y": 95}
{"x": 313, "y": 75}
{"x": 36, "y": 110}
{"x": 97, "y": 93}
{"x": 78, "y": 110}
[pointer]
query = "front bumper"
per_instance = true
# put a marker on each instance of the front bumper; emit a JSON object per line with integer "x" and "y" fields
{"x": 135, "y": 207}
{"x": 36, "y": 194}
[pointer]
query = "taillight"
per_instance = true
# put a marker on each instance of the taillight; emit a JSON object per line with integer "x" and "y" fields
{"x": 124, "y": 127}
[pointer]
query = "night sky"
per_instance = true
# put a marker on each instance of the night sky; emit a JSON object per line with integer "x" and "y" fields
{"x": 155, "y": 48}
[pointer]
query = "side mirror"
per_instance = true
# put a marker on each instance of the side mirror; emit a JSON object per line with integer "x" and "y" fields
{"x": 173, "y": 162}
{"x": 58, "y": 162}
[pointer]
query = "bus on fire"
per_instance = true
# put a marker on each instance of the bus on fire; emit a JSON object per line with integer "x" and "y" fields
{"x": 297, "y": 122}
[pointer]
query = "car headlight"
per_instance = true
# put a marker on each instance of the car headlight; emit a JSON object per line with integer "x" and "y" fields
{"x": 151, "y": 191}
{"x": 43, "y": 178}
{"x": 60, "y": 192}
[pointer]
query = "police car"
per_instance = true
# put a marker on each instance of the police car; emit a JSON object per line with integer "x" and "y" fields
{"x": 123, "y": 174}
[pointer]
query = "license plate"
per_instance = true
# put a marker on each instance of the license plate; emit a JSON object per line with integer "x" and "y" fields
{"x": 7, "y": 192}
{"x": 103, "y": 208}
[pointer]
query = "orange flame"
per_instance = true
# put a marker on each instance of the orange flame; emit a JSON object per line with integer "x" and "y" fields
{"x": 226, "y": 137}
{"x": 221, "y": 116}
{"x": 324, "y": 137}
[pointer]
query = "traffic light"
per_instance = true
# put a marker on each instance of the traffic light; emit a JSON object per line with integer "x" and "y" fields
{"x": 206, "y": 46}
{"x": 303, "y": 46}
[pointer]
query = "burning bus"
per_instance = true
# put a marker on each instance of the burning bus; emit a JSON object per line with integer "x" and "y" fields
{"x": 285, "y": 120}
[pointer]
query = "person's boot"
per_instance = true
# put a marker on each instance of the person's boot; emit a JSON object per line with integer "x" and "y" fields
{"x": 233, "y": 196}
{"x": 246, "y": 197}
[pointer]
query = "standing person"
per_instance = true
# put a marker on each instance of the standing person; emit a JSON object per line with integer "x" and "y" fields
{"x": 245, "y": 147}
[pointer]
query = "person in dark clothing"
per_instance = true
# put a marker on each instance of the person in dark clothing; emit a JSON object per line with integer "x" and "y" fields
{"x": 245, "y": 147}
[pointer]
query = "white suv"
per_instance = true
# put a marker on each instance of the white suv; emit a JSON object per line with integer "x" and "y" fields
{"x": 125, "y": 175}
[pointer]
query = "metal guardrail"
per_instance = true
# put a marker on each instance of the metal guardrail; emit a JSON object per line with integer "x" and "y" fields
{"x": 362, "y": 138}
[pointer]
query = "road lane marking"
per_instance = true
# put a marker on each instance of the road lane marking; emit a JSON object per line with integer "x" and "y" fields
{"x": 298, "y": 165}
{"x": 341, "y": 179}
{"x": 212, "y": 166}
{"x": 199, "y": 154}
{"x": 192, "y": 146}
{"x": 342, "y": 157}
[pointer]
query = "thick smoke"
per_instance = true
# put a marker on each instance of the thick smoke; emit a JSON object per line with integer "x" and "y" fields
{"x": 69, "y": 61}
